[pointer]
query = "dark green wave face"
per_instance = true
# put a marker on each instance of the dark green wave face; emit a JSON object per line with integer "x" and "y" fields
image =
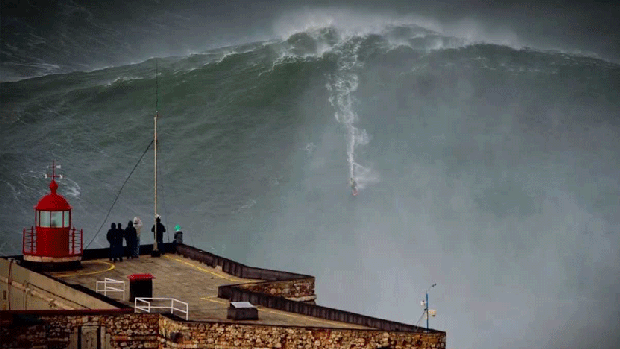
{"x": 489, "y": 170}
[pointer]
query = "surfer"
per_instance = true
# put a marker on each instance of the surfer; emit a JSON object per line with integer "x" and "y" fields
{"x": 353, "y": 186}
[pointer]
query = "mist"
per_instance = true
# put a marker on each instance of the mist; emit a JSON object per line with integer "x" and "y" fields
{"x": 41, "y": 37}
{"x": 501, "y": 192}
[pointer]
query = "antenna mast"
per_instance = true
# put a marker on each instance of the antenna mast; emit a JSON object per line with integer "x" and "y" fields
{"x": 426, "y": 310}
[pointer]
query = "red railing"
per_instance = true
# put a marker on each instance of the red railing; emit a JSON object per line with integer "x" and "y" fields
{"x": 29, "y": 241}
{"x": 75, "y": 243}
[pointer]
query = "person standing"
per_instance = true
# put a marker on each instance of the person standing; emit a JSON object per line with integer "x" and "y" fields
{"x": 130, "y": 237}
{"x": 159, "y": 229}
{"x": 137, "y": 224}
{"x": 121, "y": 234}
{"x": 118, "y": 238}
{"x": 115, "y": 237}
{"x": 111, "y": 236}
{"x": 178, "y": 237}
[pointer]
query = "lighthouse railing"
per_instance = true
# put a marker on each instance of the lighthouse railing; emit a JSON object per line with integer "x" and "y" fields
{"x": 75, "y": 245}
{"x": 29, "y": 243}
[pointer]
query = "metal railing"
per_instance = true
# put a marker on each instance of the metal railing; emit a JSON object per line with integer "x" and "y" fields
{"x": 75, "y": 244}
{"x": 29, "y": 242}
{"x": 75, "y": 248}
{"x": 110, "y": 285}
{"x": 146, "y": 305}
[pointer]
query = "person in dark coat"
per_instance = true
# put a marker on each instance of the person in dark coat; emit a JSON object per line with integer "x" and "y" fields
{"x": 178, "y": 237}
{"x": 119, "y": 242}
{"x": 115, "y": 237}
{"x": 159, "y": 229}
{"x": 130, "y": 237}
{"x": 110, "y": 236}
{"x": 120, "y": 236}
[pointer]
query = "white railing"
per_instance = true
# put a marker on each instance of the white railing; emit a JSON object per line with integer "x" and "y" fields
{"x": 110, "y": 285}
{"x": 146, "y": 305}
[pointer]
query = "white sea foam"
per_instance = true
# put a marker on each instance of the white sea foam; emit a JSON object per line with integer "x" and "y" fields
{"x": 309, "y": 148}
{"x": 347, "y": 22}
{"x": 13, "y": 190}
{"x": 248, "y": 204}
{"x": 342, "y": 86}
{"x": 71, "y": 188}
{"x": 122, "y": 79}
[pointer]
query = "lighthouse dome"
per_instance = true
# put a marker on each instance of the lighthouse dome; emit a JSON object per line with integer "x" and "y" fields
{"x": 53, "y": 201}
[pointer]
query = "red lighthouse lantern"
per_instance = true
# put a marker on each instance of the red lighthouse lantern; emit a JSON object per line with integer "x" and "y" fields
{"x": 53, "y": 239}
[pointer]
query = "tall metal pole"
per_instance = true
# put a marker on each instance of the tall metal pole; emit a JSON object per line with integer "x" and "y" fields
{"x": 426, "y": 310}
{"x": 155, "y": 246}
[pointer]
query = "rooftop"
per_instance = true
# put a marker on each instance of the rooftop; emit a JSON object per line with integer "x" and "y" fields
{"x": 207, "y": 283}
{"x": 193, "y": 282}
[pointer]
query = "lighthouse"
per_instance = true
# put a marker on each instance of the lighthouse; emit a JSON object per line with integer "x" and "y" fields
{"x": 53, "y": 241}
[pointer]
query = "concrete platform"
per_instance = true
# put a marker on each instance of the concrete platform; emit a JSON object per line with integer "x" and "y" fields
{"x": 188, "y": 281}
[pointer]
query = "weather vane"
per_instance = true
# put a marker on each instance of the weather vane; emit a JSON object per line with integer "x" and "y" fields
{"x": 53, "y": 176}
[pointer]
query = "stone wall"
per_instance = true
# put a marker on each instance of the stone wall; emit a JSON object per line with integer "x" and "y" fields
{"x": 235, "y": 268}
{"x": 119, "y": 329}
{"x": 301, "y": 290}
{"x": 235, "y": 293}
{"x": 229, "y": 335}
{"x": 111, "y": 329}
{"x": 289, "y": 285}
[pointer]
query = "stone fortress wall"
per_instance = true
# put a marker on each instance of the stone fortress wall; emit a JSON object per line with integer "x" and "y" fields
{"x": 119, "y": 329}
{"x": 63, "y": 318}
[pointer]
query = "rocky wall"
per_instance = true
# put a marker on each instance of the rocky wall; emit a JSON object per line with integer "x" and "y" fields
{"x": 296, "y": 289}
{"x": 23, "y": 336}
{"x": 229, "y": 335}
{"x": 90, "y": 331}
{"x": 108, "y": 330}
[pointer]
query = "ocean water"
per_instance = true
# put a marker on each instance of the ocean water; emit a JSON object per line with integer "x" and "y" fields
{"x": 490, "y": 170}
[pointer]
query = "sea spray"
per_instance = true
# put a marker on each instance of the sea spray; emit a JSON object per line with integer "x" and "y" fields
{"x": 342, "y": 85}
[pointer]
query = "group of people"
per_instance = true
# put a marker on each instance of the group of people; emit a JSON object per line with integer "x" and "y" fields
{"x": 131, "y": 235}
